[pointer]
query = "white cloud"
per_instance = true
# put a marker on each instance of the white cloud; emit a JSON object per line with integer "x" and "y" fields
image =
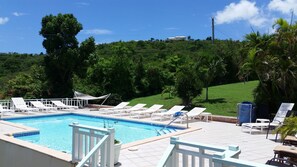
{"x": 18, "y": 14}
{"x": 171, "y": 28}
{"x": 283, "y": 6}
{"x": 98, "y": 32}
{"x": 3, "y": 20}
{"x": 242, "y": 11}
{"x": 82, "y": 4}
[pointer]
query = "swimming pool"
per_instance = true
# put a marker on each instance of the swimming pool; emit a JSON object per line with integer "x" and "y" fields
{"x": 55, "y": 132}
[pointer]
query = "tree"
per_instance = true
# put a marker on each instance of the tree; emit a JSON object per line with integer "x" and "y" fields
{"x": 120, "y": 76}
{"x": 27, "y": 85}
{"x": 155, "y": 80}
{"x": 63, "y": 53}
{"x": 207, "y": 68}
{"x": 273, "y": 59}
{"x": 140, "y": 80}
{"x": 187, "y": 85}
{"x": 86, "y": 48}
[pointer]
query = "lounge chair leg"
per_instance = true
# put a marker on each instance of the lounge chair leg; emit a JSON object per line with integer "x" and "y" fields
{"x": 276, "y": 136}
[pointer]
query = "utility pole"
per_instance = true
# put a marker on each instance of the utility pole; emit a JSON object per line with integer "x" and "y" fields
{"x": 292, "y": 15}
{"x": 212, "y": 28}
{"x": 212, "y": 41}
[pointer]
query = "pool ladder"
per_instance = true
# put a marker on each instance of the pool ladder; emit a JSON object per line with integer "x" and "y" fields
{"x": 165, "y": 127}
{"x": 106, "y": 124}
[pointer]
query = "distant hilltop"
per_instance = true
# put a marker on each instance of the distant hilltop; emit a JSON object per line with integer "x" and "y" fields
{"x": 177, "y": 38}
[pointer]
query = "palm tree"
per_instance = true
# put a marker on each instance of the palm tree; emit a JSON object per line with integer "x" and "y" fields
{"x": 208, "y": 67}
{"x": 273, "y": 59}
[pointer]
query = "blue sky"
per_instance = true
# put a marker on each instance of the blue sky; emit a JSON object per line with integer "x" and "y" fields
{"x": 114, "y": 20}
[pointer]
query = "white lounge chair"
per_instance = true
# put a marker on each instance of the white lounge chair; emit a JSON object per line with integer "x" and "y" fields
{"x": 137, "y": 107}
{"x": 192, "y": 114}
{"x": 154, "y": 108}
{"x": 121, "y": 105}
{"x": 61, "y": 105}
{"x": 167, "y": 114}
{"x": 3, "y": 110}
{"x": 41, "y": 106}
{"x": 20, "y": 105}
{"x": 266, "y": 124}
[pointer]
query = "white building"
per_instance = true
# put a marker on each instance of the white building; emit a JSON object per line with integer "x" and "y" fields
{"x": 177, "y": 38}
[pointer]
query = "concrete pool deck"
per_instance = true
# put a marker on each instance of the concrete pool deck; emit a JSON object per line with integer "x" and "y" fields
{"x": 255, "y": 148}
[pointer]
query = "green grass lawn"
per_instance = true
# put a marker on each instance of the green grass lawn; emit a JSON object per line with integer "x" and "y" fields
{"x": 222, "y": 99}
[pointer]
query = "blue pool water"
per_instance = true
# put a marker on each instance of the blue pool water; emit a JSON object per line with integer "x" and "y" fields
{"x": 56, "y": 133}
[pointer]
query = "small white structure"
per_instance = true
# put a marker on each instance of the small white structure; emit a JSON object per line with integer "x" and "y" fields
{"x": 177, "y": 38}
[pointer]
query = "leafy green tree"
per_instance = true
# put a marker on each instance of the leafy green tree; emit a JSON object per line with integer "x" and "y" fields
{"x": 187, "y": 85}
{"x": 97, "y": 80}
{"x": 155, "y": 80}
{"x": 120, "y": 79}
{"x": 86, "y": 48}
{"x": 140, "y": 79}
{"x": 170, "y": 90}
{"x": 27, "y": 85}
{"x": 63, "y": 53}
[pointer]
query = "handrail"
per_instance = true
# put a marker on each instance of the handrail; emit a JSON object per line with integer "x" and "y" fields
{"x": 74, "y": 124}
{"x": 200, "y": 145}
{"x": 222, "y": 156}
{"x": 158, "y": 131}
{"x": 92, "y": 152}
{"x": 166, "y": 155}
{"x": 90, "y": 143}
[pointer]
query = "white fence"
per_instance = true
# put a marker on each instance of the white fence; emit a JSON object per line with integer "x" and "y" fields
{"x": 92, "y": 146}
{"x": 68, "y": 101}
{"x": 183, "y": 154}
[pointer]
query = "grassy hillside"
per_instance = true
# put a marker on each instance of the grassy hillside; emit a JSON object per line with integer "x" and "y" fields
{"x": 222, "y": 99}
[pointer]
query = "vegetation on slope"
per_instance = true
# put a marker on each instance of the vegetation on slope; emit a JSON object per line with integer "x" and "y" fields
{"x": 143, "y": 68}
{"x": 223, "y": 99}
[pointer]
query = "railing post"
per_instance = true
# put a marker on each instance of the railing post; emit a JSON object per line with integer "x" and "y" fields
{"x": 234, "y": 148}
{"x": 74, "y": 143}
{"x": 110, "y": 148}
{"x": 174, "y": 157}
{"x": 218, "y": 155}
{"x": 201, "y": 159}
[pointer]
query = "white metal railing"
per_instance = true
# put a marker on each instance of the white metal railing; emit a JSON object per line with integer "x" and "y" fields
{"x": 5, "y": 103}
{"x": 183, "y": 154}
{"x": 68, "y": 101}
{"x": 92, "y": 146}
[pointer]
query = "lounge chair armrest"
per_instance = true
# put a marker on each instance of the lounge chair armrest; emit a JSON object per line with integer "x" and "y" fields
{"x": 262, "y": 120}
{"x": 279, "y": 122}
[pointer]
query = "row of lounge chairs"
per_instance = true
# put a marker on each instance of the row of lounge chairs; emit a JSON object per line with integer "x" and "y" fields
{"x": 19, "y": 104}
{"x": 137, "y": 111}
{"x": 155, "y": 111}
